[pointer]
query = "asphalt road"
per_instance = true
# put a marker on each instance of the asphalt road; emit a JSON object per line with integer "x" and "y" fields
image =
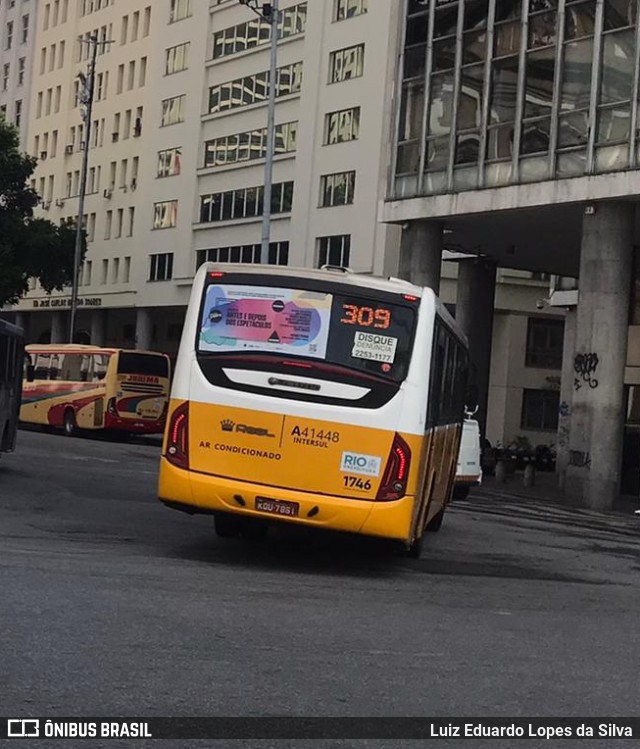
{"x": 112, "y": 604}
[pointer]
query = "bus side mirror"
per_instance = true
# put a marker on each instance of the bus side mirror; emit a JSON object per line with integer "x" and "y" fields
{"x": 31, "y": 373}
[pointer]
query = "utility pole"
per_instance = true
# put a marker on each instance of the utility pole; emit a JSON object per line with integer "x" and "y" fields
{"x": 87, "y": 91}
{"x": 268, "y": 12}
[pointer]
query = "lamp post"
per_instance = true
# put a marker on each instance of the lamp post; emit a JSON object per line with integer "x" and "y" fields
{"x": 87, "y": 90}
{"x": 268, "y": 12}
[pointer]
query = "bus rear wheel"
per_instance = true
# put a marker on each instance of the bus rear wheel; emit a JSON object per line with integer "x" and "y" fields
{"x": 434, "y": 525}
{"x": 414, "y": 550}
{"x": 227, "y": 525}
{"x": 69, "y": 423}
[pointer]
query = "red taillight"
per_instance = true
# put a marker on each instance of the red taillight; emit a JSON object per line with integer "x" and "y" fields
{"x": 178, "y": 437}
{"x": 111, "y": 407}
{"x": 216, "y": 274}
{"x": 396, "y": 473}
{"x": 410, "y": 298}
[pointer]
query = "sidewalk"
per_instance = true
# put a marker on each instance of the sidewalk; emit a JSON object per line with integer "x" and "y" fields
{"x": 545, "y": 490}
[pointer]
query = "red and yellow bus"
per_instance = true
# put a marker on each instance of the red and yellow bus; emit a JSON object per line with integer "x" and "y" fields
{"x": 88, "y": 387}
{"x": 319, "y": 398}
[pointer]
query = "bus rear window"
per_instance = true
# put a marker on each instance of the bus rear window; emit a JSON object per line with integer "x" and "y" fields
{"x": 349, "y": 330}
{"x": 142, "y": 364}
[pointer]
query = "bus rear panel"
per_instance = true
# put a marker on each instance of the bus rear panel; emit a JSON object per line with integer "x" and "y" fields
{"x": 302, "y": 398}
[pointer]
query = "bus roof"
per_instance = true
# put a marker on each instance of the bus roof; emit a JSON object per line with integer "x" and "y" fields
{"x": 329, "y": 274}
{"x": 78, "y": 348}
{"x": 8, "y": 327}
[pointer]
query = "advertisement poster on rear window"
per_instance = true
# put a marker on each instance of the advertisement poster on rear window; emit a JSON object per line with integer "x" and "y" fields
{"x": 265, "y": 320}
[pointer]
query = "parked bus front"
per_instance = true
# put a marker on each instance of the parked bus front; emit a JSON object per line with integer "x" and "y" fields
{"x": 321, "y": 398}
{"x": 11, "y": 361}
{"x": 87, "y": 387}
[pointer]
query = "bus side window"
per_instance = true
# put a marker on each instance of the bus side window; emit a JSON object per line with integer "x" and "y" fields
{"x": 42, "y": 365}
{"x": 55, "y": 368}
{"x": 72, "y": 369}
{"x": 100, "y": 366}
{"x": 28, "y": 370}
{"x": 437, "y": 375}
{"x": 86, "y": 368}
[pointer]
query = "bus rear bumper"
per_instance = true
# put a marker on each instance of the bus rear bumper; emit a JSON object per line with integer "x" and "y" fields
{"x": 134, "y": 426}
{"x": 199, "y": 493}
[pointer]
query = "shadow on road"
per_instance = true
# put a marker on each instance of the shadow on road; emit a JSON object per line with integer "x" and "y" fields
{"x": 300, "y": 551}
{"x": 342, "y": 555}
{"x": 99, "y": 435}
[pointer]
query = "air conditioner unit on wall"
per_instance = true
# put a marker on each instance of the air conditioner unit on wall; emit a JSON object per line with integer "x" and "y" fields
{"x": 107, "y": 193}
{"x": 69, "y": 149}
{"x": 45, "y": 205}
{"x": 43, "y": 155}
{"x": 59, "y": 203}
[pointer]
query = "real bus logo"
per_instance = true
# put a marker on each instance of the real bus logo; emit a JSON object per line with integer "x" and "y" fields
{"x": 367, "y": 465}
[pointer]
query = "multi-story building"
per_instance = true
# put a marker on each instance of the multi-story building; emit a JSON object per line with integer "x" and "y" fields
{"x": 515, "y": 137}
{"x": 18, "y": 19}
{"x": 176, "y": 168}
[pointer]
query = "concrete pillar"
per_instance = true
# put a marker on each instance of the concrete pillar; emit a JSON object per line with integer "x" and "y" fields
{"x": 566, "y": 396}
{"x": 421, "y": 254}
{"x": 143, "y": 328}
{"x": 474, "y": 313}
{"x": 59, "y": 332}
{"x": 22, "y": 321}
{"x": 98, "y": 319}
{"x": 597, "y": 414}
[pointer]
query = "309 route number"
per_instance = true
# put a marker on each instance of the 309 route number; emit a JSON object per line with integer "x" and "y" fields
{"x": 355, "y": 482}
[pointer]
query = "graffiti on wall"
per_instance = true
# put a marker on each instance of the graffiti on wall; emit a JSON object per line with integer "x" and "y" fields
{"x": 585, "y": 366}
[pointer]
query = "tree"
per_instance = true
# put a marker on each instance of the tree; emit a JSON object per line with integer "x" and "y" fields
{"x": 29, "y": 247}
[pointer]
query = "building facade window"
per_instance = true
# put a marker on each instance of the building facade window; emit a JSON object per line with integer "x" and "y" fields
{"x": 230, "y": 149}
{"x": 346, "y": 63}
{"x": 337, "y": 189}
{"x": 165, "y": 214}
{"x": 169, "y": 162}
{"x": 177, "y": 59}
{"x": 256, "y": 32}
{"x": 348, "y": 8}
{"x": 254, "y": 88}
{"x": 8, "y": 36}
{"x": 161, "y": 267}
{"x": 180, "y": 9}
{"x": 334, "y": 250}
{"x": 544, "y": 343}
{"x": 541, "y": 102}
{"x": 173, "y": 110}
{"x": 540, "y": 410}
{"x": 246, "y": 253}
{"x": 22, "y": 64}
{"x": 342, "y": 126}
{"x": 247, "y": 202}
{"x": 25, "y": 29}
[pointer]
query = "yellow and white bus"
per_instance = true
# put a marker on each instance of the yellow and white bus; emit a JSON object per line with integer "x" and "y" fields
{"x": 321, "y": 398}
{"x": 87, "y": 387}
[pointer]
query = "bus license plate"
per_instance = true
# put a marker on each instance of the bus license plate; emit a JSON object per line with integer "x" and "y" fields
{"x": 277, "y": 507}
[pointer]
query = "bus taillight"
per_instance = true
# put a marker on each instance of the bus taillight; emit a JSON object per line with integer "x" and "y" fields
{"x": 178, "y": 442}
{"x": 396, "y": 473}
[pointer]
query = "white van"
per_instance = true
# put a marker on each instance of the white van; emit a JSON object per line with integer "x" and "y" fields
{"x": 469, "y": 471}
